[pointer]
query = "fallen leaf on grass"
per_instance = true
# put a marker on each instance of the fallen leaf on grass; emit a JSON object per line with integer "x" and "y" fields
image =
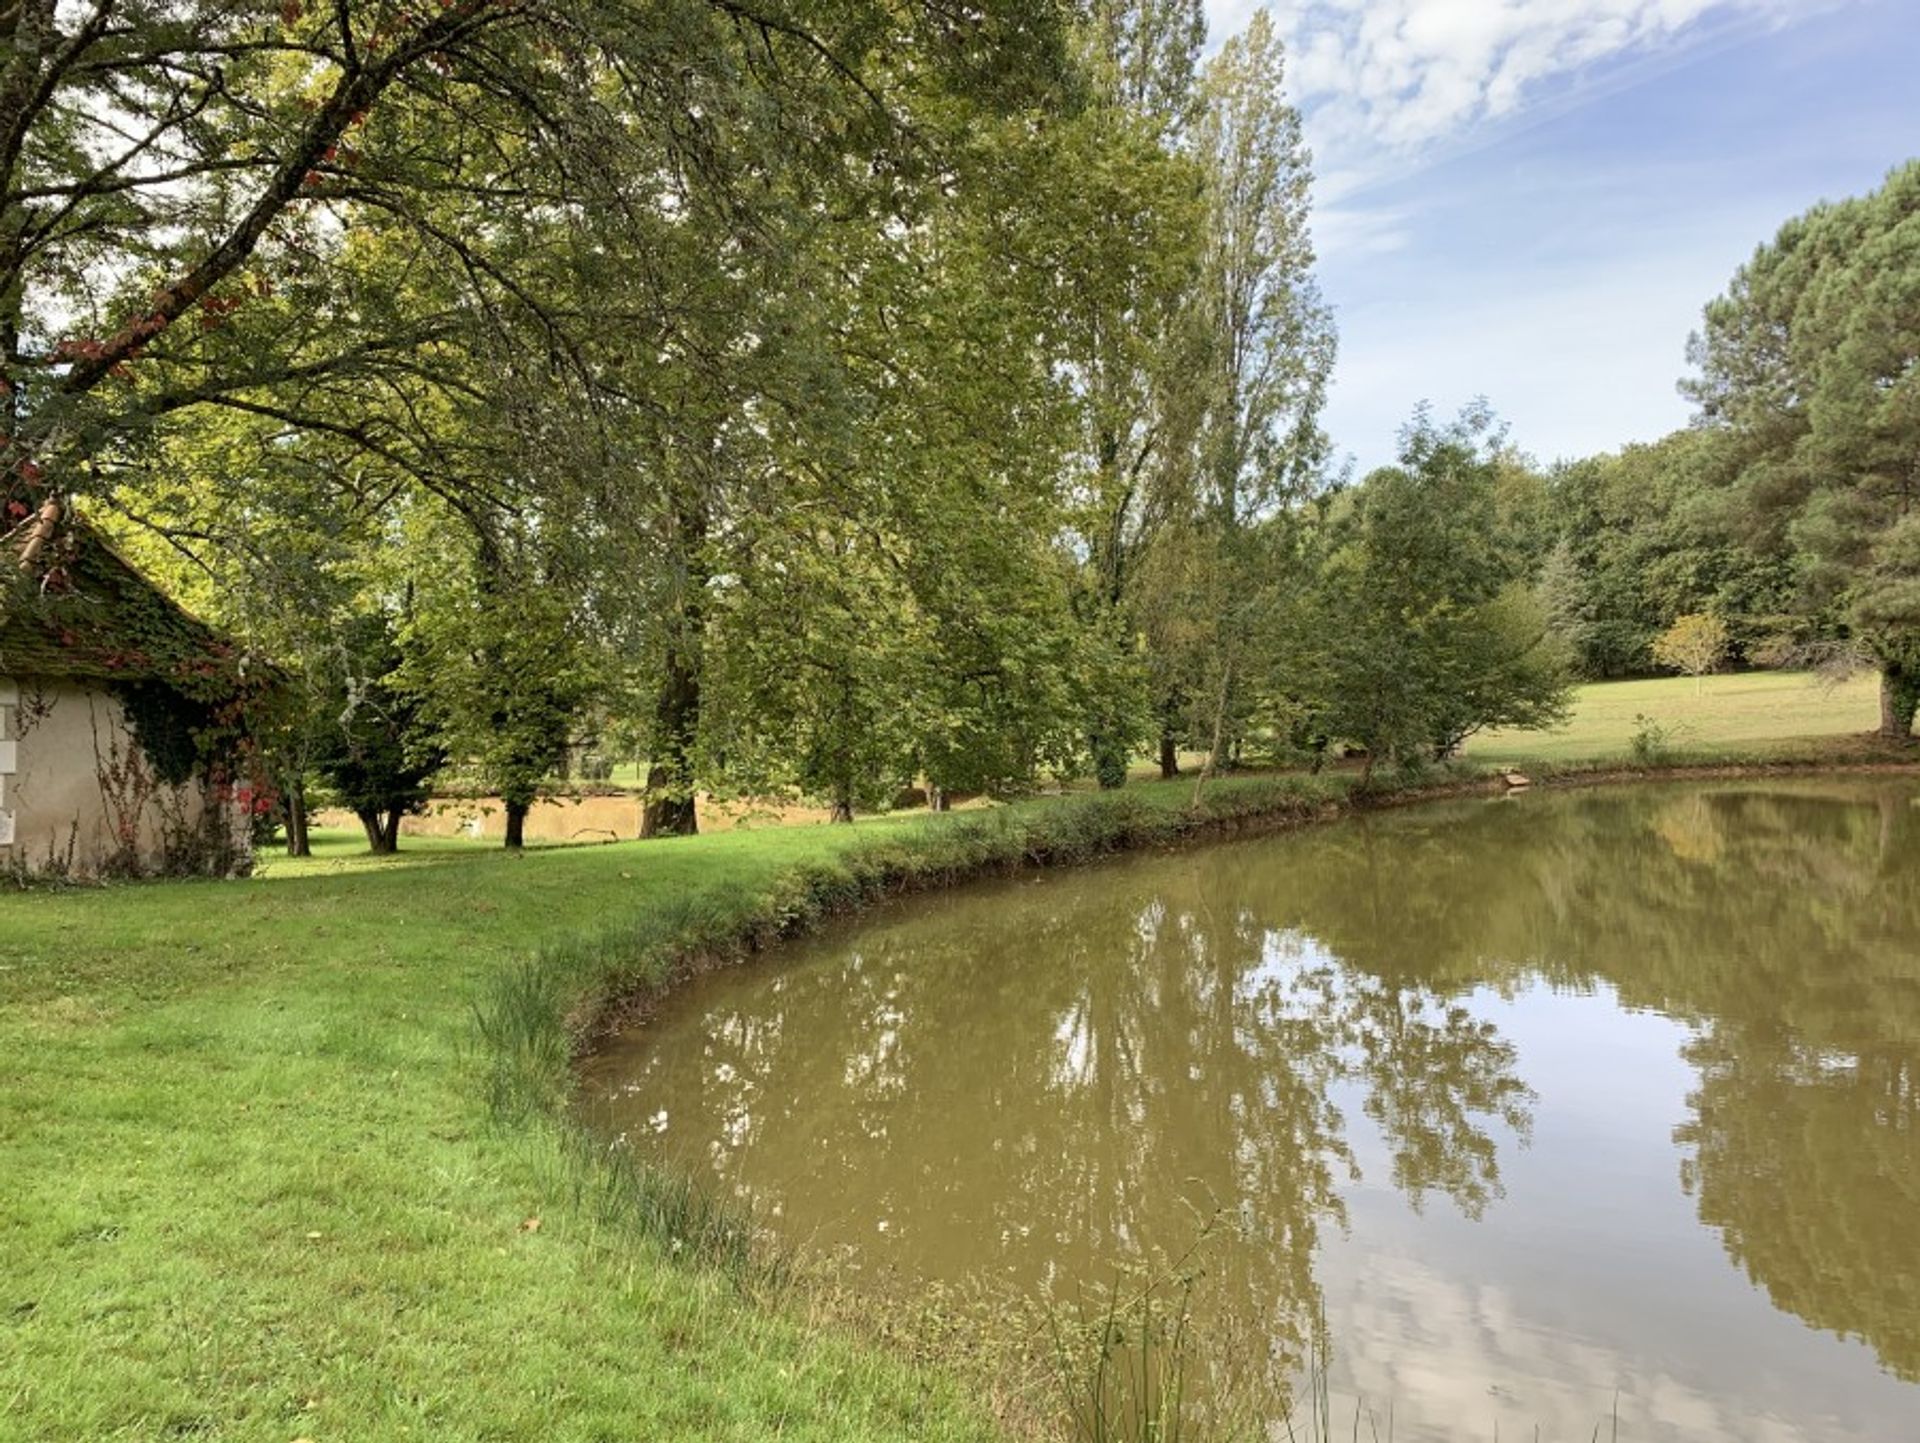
{"x": 531, "y": 1225}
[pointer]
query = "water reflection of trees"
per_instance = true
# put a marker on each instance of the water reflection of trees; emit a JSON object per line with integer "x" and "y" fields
{"x": 1783, "y": 922}
{"x": 954, "y": 1117}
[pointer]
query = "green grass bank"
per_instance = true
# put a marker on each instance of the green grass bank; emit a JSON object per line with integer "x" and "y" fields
{"x": 286, "y": 1159}
{"x": 289, "y": 1158}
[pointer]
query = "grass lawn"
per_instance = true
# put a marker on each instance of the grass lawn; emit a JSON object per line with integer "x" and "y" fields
{"x": 253, "y": 1187}
{"x": 252, "y": 1192}
{"x": 1749, "y": 712}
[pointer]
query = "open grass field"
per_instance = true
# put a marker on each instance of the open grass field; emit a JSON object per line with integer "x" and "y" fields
{"x": 252, "y": 1192}
{"x": 1750, "y": 712}
{"x": 253, "y": 1188}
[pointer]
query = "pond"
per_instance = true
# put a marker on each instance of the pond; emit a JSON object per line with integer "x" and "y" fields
{"x": 1510, "y": 1113}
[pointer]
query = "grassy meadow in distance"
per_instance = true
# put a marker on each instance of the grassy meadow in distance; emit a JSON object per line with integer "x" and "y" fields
{"x": 254, "y": 1190}
{"x": 1747, "y": 712}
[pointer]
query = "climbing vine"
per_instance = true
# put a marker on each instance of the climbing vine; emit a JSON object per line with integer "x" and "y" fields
{"x": 168, "y": 726}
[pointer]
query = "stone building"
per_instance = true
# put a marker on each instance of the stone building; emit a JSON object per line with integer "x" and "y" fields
{"x": 121, "y": 741}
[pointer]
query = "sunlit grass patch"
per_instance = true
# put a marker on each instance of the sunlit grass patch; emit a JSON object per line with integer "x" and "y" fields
{"x": 1746, "y": 712}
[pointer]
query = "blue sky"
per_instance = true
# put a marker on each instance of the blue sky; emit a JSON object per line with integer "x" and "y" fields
{"x": 1532, "y": 199}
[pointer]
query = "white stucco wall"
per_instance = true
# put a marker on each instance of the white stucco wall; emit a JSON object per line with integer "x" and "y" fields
{"x": 59, "y": 805}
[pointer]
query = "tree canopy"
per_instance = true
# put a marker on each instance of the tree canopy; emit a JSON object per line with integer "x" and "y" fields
{"x": 1810, "y": 364}
{"x": 801, "y": 400}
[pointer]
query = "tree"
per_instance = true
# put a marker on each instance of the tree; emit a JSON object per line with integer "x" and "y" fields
{"x": 813, "y": 665}
{"x": 1268, "y": 350}
{"x": 374, "y": 747}
{"x": 182, "y": 158}
{"x": 254, "y": 530}
{"x": 1641, "y": 536}
{"x": 1811, "y": 361}
{"x": 1432, "y": 631}
{"x": 1694, "y": 645}
{"x": 1123, "y": 227}
{"x": 501, "y": 281}
{"x": 153, "y": 158}
{"x": 495, "y": 660}
{"x": 1272, "y": 339}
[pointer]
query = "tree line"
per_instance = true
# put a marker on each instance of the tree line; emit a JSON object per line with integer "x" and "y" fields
{"x": 808, "y": 398}
{"x": 1786, "y": 514}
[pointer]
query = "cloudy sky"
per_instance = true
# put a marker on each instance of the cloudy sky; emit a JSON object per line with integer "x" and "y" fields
{"x": 1531, "y": 199}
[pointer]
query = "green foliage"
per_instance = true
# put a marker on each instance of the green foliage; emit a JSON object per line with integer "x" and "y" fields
{"x": 321, "y": 322}
{"x": 811, "y": 671}
{"x": 1432, "y": 632}
{"x": 1259, "y": 350}
{"x": 168, "y": 728}
{"x": 1810, "y": 363}
{"x": 1647, "y": 535}
{"x": 495, "y": 665}
{"x": 372, "y": 744}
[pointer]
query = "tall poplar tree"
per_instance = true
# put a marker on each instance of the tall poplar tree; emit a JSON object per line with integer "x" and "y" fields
{"x": 1130, "y": 220}
{"x": 1268, "y": 352}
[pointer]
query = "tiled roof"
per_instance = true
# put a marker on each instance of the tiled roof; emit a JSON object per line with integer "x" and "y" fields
{"x": 81, "y": 611}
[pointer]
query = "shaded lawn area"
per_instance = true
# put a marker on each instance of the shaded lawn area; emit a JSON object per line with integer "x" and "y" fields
{"x": 1749, "y": 712}
{"x": 252, "y": 1191}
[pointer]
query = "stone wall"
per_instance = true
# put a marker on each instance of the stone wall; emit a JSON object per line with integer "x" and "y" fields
{"x": 77, "y": 796}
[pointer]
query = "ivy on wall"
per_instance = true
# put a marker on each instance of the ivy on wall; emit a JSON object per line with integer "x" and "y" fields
{"x": 168, "y": 726}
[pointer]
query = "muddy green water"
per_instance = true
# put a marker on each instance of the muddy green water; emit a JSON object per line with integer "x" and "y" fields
{"x": 1509, "y": 1108}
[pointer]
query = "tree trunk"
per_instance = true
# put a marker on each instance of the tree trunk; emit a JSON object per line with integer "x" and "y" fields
{"x": 667, "y": 816}
{"x": 938, "y": 800}
{"x": 390, "y": 834}
{"x": 1215, "y": 750}
{"x": 1899, "y": 699}
{"x": 670, "y": 809}
{"x": 371, "y": 824}
{"x": 842, "y": 805}
{"x": 516, "y": 825}
{"x": 293, "y": 808}
{"x": 1169, "y": 757}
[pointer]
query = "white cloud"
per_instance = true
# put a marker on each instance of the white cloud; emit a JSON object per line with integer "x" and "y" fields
{"x": 1443, "y": 1352}
{"x": 1400, "y": 76}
